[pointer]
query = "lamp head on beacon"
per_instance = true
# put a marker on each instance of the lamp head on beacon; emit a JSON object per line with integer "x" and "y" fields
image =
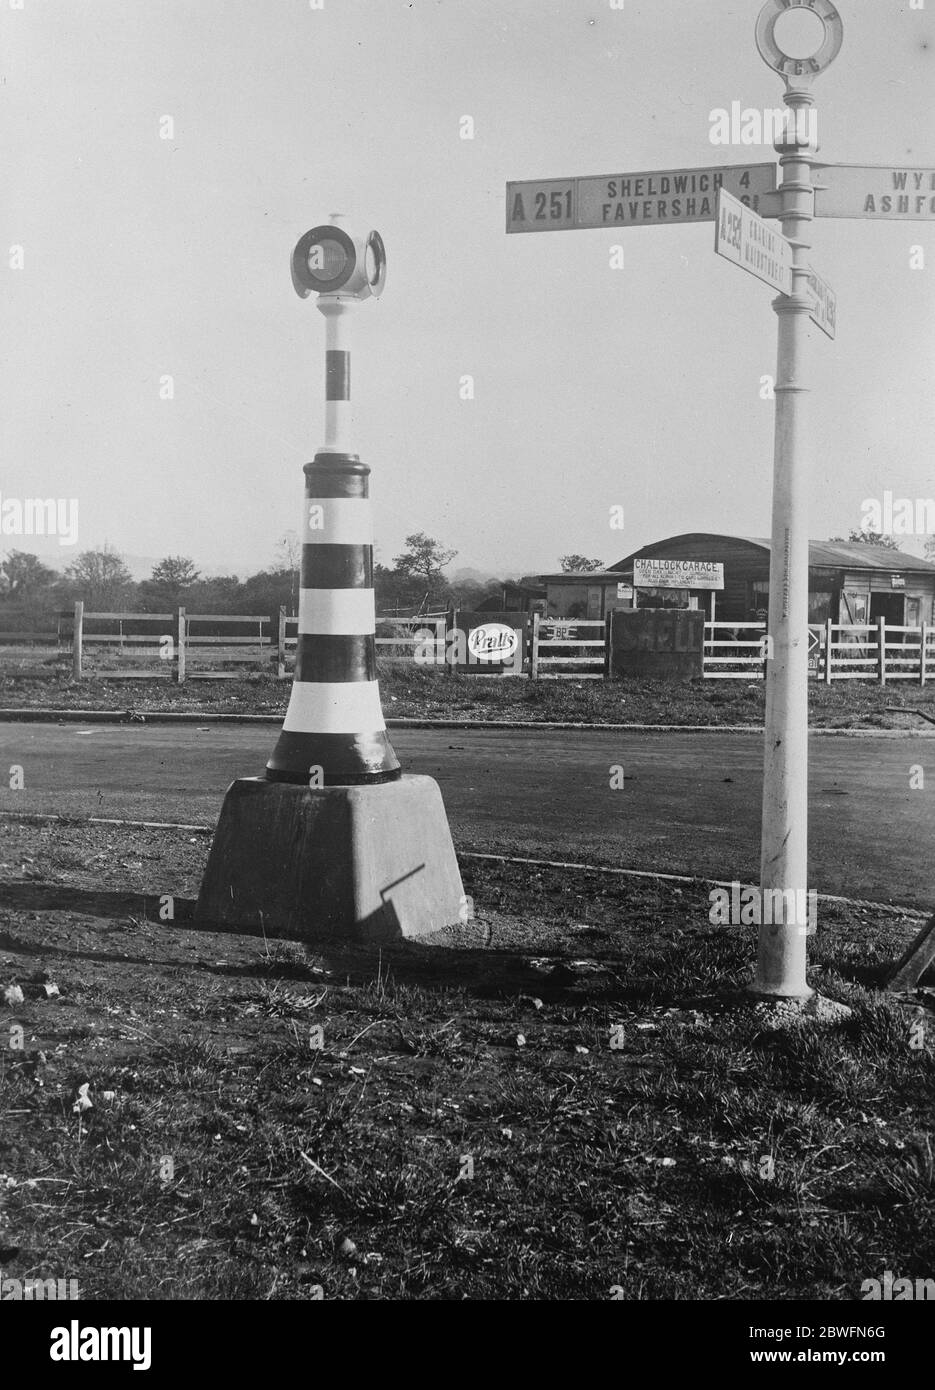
{"x": 333, "y": 260}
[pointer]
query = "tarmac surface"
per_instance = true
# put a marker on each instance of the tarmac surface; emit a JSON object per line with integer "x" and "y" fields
{"x": 690, "y": 802}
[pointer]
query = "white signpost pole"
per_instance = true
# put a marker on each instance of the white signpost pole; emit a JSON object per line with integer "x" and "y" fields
{"x": 781, "y": 953}
{"x": 738, "y": 198}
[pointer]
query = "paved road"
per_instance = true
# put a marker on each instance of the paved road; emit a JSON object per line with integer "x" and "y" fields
{"x": 690, "y": 802}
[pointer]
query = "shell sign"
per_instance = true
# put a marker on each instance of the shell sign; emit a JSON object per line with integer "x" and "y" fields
{"x": 493, "y": 642}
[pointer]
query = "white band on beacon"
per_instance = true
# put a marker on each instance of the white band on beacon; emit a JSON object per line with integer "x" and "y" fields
{"x": 334, "y": 707}
{"x": 336, "y": 612}
{"x": 337, "y": 521}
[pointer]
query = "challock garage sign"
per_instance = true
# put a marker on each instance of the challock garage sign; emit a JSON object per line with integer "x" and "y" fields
{"x": 677, "y": 574}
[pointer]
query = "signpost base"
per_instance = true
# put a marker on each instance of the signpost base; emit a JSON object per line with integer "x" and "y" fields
{"x": 778, "y": 1013}
{"x": 373, "y": 863}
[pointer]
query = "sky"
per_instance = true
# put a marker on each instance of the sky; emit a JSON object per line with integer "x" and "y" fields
{"x": 594, "y": 387}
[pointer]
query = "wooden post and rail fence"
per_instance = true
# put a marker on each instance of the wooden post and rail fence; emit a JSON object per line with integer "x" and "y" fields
{"x": 549, "y": 648}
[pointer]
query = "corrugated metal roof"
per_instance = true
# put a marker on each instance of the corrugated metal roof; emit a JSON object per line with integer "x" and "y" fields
{"x": 850, "y": 555}
{"x": 594, "y": 576}
{"x": 856, "y": 555}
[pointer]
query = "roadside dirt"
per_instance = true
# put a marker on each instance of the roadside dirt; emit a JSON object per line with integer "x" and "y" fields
{"x": 174, "y": 1127}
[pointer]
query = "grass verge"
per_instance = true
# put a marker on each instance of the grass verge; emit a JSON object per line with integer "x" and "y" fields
{"x": 547, "y": 1104}
{"x": 414, "y": 692}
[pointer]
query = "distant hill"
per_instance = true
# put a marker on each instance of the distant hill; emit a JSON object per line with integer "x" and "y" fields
{"x": 468, "y": 575}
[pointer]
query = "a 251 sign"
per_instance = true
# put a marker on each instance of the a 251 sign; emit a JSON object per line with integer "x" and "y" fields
{"x": 558, "y": 208}
{"x": 633, "y": 200}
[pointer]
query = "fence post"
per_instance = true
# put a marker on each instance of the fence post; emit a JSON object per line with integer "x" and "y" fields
{"x": 451, "y": 633}
{"x": 450, "y": 616}
{"x": 881, "y": 650}
{"x": 829, "y": 633}
{"x": 77, "y": 640}
{"x": 180, "y": 651}
{"x": 923, "y": 653}
{"x": 607, "y": 628}
{"x": 281, "y": 646}
{"x": 534, "y": 652}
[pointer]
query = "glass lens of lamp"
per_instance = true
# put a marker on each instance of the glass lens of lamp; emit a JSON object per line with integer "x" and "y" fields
{"x": 373, "y": 263}
{"x": 326, "y": 260}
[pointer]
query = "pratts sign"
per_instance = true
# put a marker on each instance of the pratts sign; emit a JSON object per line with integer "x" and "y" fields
{"x": 493, "y": 642}
{"x": 487, "y": 644}
{"x": 677, "y": 574}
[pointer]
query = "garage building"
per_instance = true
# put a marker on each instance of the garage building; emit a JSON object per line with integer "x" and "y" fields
{"x": 849, "y": 582}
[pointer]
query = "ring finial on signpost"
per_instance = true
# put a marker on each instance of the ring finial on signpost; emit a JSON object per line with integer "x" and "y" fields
{"x": 798, "y": 70}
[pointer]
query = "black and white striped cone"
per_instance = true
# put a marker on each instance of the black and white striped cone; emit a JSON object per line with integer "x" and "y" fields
{"x": 318, "y": 846}
{"x": 334, "y": 732}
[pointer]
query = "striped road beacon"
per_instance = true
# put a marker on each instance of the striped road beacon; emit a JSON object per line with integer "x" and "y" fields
{"x": 333, "y": 838}
{"x": 334, "y": 730}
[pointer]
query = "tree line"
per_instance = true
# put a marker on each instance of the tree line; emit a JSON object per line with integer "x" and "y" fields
{"x": 32, "y": 593}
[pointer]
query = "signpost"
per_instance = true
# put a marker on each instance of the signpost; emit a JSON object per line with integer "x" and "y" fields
{"x": 738, "y": 198}
{"x": 814, "y": 651}
{"x": 744, "y": 238}
{"x": 874, "y": 190}
{"x": 634, "y": 200}
{"x": 781, "y": 949}
{"x": 825, "y": 311}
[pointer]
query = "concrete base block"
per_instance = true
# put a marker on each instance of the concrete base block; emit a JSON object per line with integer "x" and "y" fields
{"x": 371, "y": 862}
